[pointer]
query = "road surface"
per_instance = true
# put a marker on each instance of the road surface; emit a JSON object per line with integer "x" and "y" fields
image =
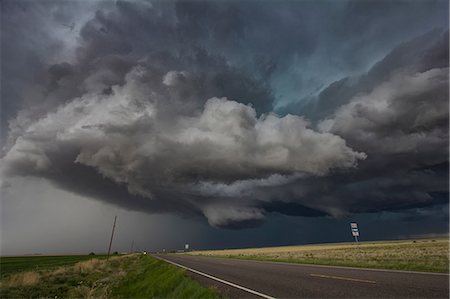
{"x": 256, "y": 279}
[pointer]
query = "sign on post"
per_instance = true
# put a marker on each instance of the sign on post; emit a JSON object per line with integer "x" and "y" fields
{"x": 186, "y": 247}
{"x": 355, "y": 231}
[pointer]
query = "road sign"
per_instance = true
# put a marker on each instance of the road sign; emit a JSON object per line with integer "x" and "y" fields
{"x": 186, "y": 247}
{"x": 355, "y": 231}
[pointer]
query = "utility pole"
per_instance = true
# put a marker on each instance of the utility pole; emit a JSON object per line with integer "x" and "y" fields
{"x": 112, "y": 235}
{"x": 132, "y": 243}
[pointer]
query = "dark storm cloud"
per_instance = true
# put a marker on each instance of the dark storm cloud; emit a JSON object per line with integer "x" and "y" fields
{"x": 422, "y": 53}
{"x": 167, "y": 106}
{"x": 397, "y": 114}
{"x": 132, "y": 137}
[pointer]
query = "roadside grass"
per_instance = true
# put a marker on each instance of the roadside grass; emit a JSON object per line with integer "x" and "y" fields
{"x": 153, "y": 278}
{"x": 431, "y": 255}
{"x": 13, "y": 264}
{"x": 128, "y": 276}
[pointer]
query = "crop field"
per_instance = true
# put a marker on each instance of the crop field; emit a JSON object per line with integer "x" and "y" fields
{"x": 127, "y": 276}
{"x": 414, "y": 255}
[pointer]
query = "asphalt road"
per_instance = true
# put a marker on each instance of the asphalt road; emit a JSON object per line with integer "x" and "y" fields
{"x": 282, "y": 280}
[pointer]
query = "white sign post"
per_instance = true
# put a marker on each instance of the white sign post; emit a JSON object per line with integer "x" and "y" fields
{"x": 355, "y": 231}
{"x": 186, "y": 247}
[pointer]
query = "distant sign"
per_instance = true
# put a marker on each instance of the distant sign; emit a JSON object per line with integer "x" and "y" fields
{"x": 355, "y": 231}
{"x": 186, "y": 246}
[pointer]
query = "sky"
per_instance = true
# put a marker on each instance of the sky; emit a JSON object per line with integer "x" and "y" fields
{"x": 222, "y": 124}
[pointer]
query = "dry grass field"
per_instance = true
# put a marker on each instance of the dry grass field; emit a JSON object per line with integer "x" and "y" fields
{"x": 419, "y": 255}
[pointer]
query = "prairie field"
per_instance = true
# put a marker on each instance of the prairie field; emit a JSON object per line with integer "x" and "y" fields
{"x": 127, "y": 276}
{"x": 12, "y": 264}
{"x": 415, "y": 255}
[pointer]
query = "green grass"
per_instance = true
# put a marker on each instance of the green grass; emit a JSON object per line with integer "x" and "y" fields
{"x": 431, "y": 255}
{"x": 152, "y": 278}
{"x": 9, "y": 265}
{"x": 129, "y": 276}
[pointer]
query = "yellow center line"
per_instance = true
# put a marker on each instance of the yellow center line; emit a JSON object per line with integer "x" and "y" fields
{"x": 342, "y": 278}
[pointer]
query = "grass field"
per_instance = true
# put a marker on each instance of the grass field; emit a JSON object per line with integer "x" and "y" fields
{"x": 415, "y": 255}
{"x": 153, "y": 278}
{"x": 14, "y": 264}
{"x": 128, "y": 276}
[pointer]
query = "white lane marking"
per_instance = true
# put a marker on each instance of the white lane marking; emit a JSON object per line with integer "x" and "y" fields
{"x": 218, "y": 279}
{"x": 342, "y": 278}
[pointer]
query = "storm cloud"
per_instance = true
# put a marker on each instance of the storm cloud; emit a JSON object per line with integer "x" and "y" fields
{"x": 176, "y": 107}
{"x": 132, "y": 137}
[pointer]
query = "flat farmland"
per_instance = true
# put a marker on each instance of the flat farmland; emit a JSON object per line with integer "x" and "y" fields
{"x": 430, "y": 255}
{"x": 13, "y": 264}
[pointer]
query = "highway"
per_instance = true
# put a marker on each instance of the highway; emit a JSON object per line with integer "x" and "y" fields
{"x": 257, "y": 279}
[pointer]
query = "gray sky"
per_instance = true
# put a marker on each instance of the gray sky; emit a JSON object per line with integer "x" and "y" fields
{"x": 221, "y": 124}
